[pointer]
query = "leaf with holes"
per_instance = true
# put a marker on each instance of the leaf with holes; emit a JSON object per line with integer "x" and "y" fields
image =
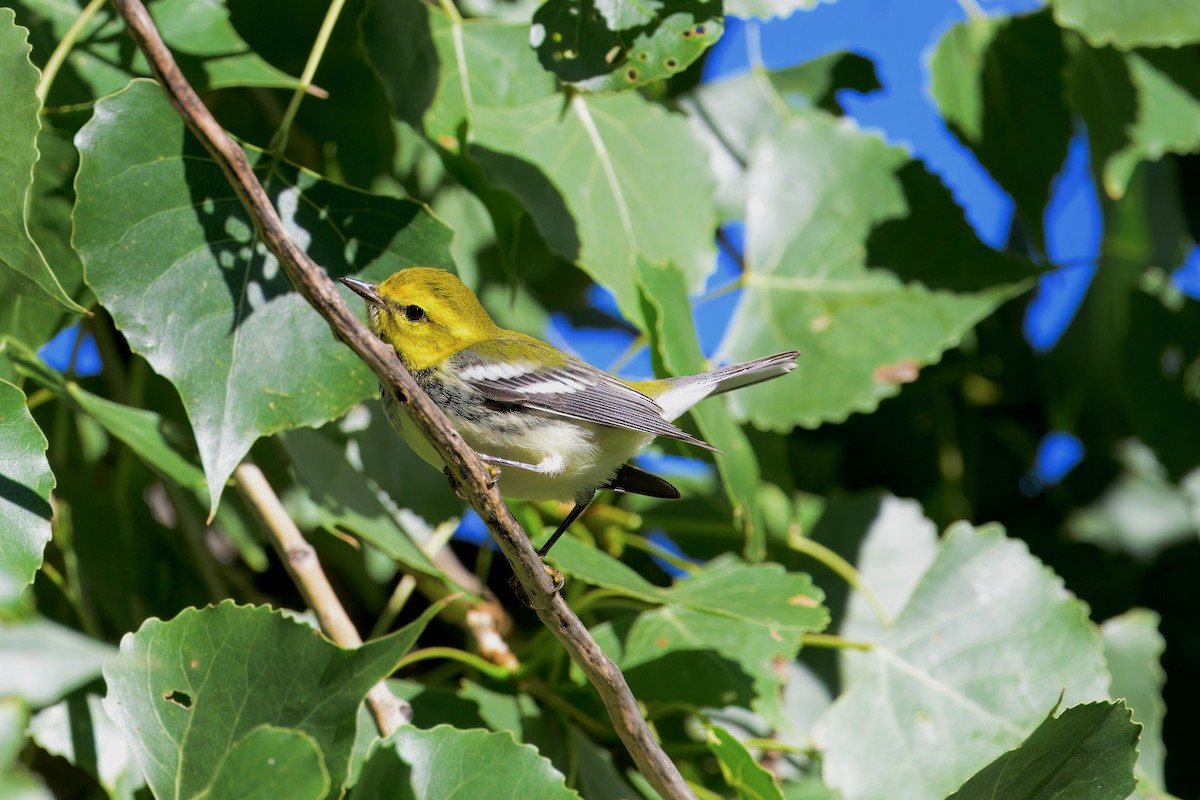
{"x": 617, "y": 46}
{"x": 170, "y": 253}
{"x": 23, "y": 268}
{"x": 445, "y": 762}
{"x": 1092, "y": 746}
{"x": 187, "y": 691}
{"x": 988, "y": 641}
{"x": 816, "y": 189}
{"x": 25, "y": 484}
{"x": 606, "y": 179}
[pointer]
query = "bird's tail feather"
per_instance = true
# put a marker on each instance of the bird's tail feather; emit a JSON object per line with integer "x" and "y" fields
{"x": 683, "y": 393}
{"x": 748, "y": 373}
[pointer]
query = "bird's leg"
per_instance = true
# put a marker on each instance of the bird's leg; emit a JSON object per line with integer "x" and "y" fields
{"x": 555, "y": 575}
{"x": 493, "y": 472}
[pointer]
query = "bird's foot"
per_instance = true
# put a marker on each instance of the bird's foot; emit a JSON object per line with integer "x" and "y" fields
{"x": 556, "y": 578}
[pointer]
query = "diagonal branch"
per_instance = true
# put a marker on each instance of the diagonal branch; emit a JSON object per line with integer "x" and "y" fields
{"x": 315, "y": 285}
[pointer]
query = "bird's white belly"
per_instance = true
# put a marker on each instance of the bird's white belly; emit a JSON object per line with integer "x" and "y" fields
{"x": 572, "y": 457}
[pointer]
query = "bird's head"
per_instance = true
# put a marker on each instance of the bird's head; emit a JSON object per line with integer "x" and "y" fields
{"x": 426, "y": 314}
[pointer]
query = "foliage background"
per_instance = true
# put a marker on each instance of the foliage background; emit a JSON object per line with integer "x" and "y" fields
{"x": 999, "y": 324}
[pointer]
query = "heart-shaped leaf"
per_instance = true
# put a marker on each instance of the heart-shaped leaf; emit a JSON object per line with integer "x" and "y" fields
{"x": 25, "y": 484}
{"x": 170, "y": 253}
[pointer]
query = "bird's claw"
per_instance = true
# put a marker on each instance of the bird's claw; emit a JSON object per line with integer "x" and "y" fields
{"x": 493, "y": 475}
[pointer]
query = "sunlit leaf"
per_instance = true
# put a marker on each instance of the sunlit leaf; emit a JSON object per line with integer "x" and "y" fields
{"x": 81, "y": 724}
{"x": 171, "y": 255}
{"x": 1133, "y": 648}
{"x": 816, "y": 188}
{"x": 988, "y": 641}
{"x": 44, "y": 660}
{"x": 731, "y": 115}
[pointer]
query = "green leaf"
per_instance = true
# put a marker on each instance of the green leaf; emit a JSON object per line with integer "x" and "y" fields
{"x": 14, "y": 717}
{"x": 988, "y": 641}
{"x": 144, "y": 431}
{"x": 751, "y": 780}
{"x": 438, "y": 69}
{"x": 79, "y": 730}
{"x": 715, "y": 638}
{"x": 612, "y": 46}
{"x": 269, "y": 763}
{"x": 230, "y": 670}
{"x": 1128, "y": 23}
{"x": 1168, "y": 118}
{"x": 730, "y": 116}
{"x": 445, "y": 762}
{"x": 615, "y": 178}
{"x": 170, "y": 253}
{"x": 669, "y": 320}
{"x": 23, "y": 268}
{"x": 43, "y": 661}
{"x": 1022, "y": 145}
{"x": 25, "y": 484}
{"x": 1133, "y": 648}
{"x": 209, "y": 51}
{"x": 1086, "y": 752}
{"x": 345, "y": 491}
{"x": 816, "y": 187}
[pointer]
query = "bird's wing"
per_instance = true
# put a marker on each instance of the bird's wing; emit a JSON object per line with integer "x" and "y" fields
{"x": 536, "y": 375}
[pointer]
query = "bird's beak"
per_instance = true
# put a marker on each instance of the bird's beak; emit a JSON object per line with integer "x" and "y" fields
{"x": 368, "y": 291}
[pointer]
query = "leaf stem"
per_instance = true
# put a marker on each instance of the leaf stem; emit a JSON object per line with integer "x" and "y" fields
{"x": 639, "y": 542}
{"x": 829, "y": 640}
{"x": 494, "y": 671}
{"x": 451, "y": 11}
{"x": 63, "y": 49}
{"x": 408, "y": 584}
{"x": 279, "y": 141}
{"x": 845, "y": 570}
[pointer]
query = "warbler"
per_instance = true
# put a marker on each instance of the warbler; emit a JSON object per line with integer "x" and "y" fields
{"x": 554, "y": 426}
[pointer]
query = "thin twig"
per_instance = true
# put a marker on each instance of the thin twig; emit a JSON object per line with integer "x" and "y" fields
{"x": 468, "y": 470}
{"x": 300, "y": 559}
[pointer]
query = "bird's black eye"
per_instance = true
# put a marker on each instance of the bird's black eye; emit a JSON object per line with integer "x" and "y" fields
{"x": 414, "y": 313}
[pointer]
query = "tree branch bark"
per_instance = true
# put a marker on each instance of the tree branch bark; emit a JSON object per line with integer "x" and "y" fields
{"x": 315, "y": 285}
